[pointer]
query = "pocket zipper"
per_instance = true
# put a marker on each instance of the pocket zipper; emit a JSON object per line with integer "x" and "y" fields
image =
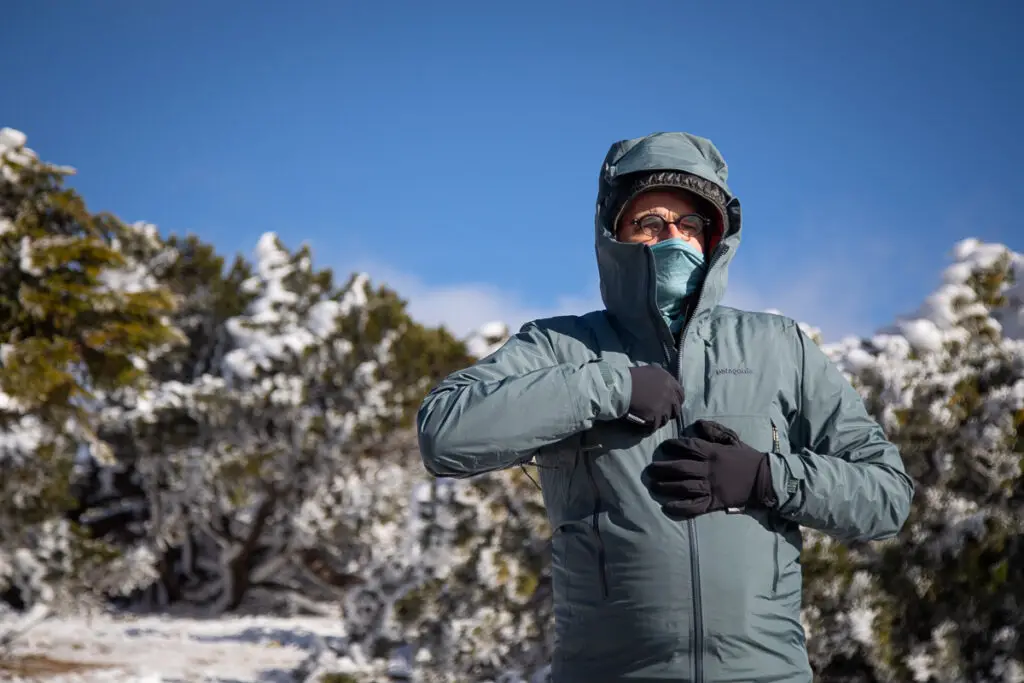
{"x": 595, "y": 519}
{"x": 776, "y": 449}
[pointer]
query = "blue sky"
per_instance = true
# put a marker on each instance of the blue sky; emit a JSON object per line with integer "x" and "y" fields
{"x": 452, "y": 148}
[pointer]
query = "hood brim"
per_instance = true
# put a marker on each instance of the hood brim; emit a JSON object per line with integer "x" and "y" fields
{"x": 627, "y": 270}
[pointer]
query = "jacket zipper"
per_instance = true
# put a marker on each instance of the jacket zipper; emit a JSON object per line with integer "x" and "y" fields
{"x": 777, "y": 449}
{"x": 691, "y": 524}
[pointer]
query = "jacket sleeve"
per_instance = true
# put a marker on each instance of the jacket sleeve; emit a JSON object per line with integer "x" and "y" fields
{"x": 848, "y": 480}
{"x": 498, "y": 412}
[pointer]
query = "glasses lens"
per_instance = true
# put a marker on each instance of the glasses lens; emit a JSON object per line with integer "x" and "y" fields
{"x": 652, "y": 225}
{"x": 693, "y": 223}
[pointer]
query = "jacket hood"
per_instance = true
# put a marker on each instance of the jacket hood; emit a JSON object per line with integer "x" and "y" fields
{"x": 627, "y": 270}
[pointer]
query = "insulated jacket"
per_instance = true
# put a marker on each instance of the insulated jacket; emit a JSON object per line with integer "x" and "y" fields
{"x": 639, "y": 596}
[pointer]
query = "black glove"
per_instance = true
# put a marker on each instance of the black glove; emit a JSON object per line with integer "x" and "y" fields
{"x": 657, "y": 396}
{"x": 712, "y": 472}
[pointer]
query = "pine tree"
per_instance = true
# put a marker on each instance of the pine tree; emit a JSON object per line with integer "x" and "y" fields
{"x": 118, "y": 502}
{"x": 253, "y": 457}
{"x": 944, "y": 601}
{"x": 79, "y": 317}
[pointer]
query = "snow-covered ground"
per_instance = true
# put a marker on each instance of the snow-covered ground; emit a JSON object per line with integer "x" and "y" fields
{"x": 105, "y": 649}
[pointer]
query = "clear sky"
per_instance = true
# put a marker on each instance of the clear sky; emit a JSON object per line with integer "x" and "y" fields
{"x": 452, "y": 148}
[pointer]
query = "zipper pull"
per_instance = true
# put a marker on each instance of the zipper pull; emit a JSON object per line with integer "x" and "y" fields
{"x": 636, "y": 420}
{"x": 587, "y": 446}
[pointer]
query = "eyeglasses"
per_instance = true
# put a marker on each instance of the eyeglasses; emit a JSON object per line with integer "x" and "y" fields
{"x": 691, "y": 224}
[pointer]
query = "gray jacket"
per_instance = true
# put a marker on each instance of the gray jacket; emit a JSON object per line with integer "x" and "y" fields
{"x": 637, "y": 595}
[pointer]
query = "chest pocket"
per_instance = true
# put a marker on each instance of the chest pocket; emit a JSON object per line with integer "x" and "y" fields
{"x": 760, "y": 432}
{"x": 761, "y": 532}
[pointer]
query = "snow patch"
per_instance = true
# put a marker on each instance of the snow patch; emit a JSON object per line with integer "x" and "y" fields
{"x": 161, "y": 649}
{"x": 487, "y": 339}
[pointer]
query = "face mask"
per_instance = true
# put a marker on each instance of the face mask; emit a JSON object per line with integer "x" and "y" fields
{"x": 680, "y": 269}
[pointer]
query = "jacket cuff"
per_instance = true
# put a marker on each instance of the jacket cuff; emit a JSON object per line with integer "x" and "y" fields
{"x": 786, "y": 478}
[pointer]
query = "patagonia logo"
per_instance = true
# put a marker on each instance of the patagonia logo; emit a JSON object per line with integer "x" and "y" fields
{"x": 733, "y": 371}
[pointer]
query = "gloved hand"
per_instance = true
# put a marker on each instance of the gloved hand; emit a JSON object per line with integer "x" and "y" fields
{"x": 713, "y": 471}
{"x": 657, "y": 396}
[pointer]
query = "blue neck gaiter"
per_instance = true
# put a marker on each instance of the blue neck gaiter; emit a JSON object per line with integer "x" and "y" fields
{"x": 680, "y": 269}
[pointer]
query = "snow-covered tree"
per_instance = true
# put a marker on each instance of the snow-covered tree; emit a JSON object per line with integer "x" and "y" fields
{"x": 252, "y": 453}
{"x": 944, "y": 601}
{"x": 79, "y": 315}
{"x": 116, "y": 500}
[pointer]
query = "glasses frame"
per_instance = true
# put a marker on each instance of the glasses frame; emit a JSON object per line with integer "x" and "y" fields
{"x": 680, "y": 223}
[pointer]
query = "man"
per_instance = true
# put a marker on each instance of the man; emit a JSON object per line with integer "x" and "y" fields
{"x": 682, "y": 443}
